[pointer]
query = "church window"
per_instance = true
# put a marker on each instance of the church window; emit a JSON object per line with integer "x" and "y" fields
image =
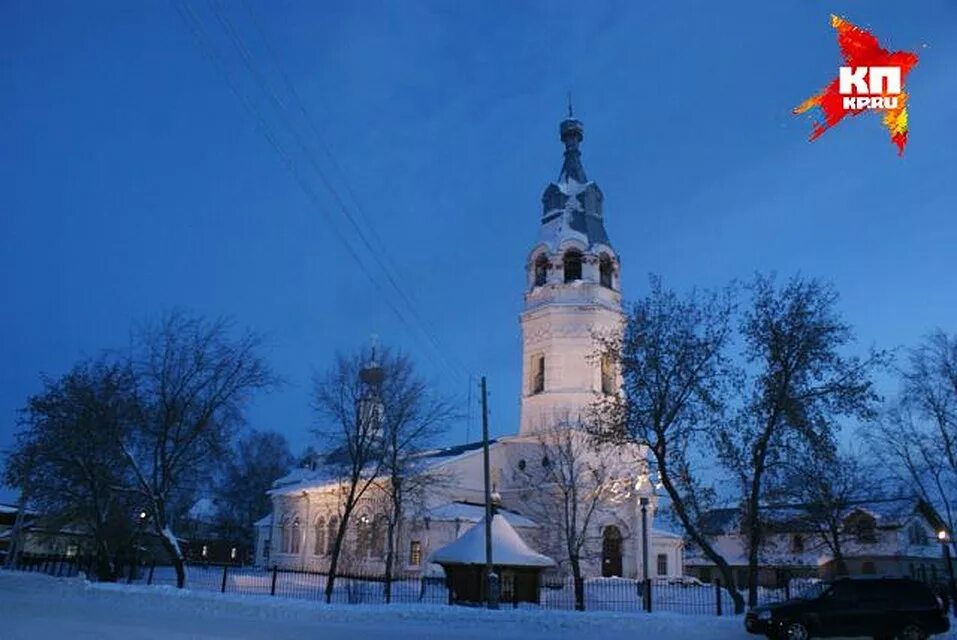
{"x": 294, "y": 536}
{"x": 541, "y": 270}
{"x": 538, "y": 374}
{"x": 363, "y": 536}
{"x": 662, "y": 564}
{"x": 415, "y": 553}
{"x": 605, "y": 271}
{"x": 319, "y": 544}
{"x": 380, "y": 530}
{"x": 607, "y": 374}
{"x": 333, "y": 532}
{"x": 284, "y": 534}
{"x": 573, "y": 265}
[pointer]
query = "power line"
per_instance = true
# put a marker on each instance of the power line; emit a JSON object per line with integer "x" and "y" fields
{"x": 195, "y": 24}
{"x": 376, "y": 252}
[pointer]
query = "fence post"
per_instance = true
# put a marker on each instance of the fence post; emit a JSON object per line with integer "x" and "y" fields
{"x": 646, "y": 592}
{"x": 275, "y": 572}
{"x": 223, "y": 587}
{"x": 787, "y": 589}
{"x": 717, "y": 594}
{"x": 149, "y": 579}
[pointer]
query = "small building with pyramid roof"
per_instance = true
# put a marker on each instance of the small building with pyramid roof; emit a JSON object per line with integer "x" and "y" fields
{"x": 517, "y": 565}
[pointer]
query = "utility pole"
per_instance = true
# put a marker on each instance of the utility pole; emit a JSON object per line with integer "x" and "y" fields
{"x": 491, "y": 580}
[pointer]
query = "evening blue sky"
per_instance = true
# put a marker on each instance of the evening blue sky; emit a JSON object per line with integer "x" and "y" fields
{"x": 134, "y": 180}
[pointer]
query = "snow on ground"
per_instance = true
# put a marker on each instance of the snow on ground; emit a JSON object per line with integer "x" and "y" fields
{"x": 36, "y": 606}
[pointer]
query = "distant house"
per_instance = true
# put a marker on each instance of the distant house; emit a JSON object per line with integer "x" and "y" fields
{"x": 41, "y": 536}
{"x": 204, "y": 541}
{"x": 894, "y": 536}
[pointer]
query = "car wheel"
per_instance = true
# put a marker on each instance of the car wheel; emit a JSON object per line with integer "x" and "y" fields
{"x": 912, "y": 631}
{"x": 795, "y": 631}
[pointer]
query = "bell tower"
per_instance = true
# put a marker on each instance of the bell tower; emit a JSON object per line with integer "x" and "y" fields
{"x": 572, "y": 293}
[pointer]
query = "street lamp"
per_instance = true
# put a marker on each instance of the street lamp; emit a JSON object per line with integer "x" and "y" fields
{"x": 944, "y": 539}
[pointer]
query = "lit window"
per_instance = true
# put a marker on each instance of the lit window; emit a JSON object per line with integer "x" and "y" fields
{"x": 415, "y": 553}
{"x": 363, "y": 536}
{"x": 232, "y": 553}
{"x": 205, "y": 551}
{"x": 72, "y": 550}
{"x": 572, "y": 264}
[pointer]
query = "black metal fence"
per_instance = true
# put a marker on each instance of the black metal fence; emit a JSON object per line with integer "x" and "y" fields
{"x": 678, "y": 595}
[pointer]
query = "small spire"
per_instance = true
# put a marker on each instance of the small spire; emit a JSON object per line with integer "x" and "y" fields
{"x": 571, "y": 112}
{"x": 572, "y": 133}
{"x": 372, "y": 373}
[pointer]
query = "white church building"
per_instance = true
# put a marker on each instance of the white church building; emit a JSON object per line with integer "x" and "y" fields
{"x": 573, "y": 291}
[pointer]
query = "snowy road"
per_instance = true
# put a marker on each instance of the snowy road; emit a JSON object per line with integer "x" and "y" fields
{"x": 39, "y": 607}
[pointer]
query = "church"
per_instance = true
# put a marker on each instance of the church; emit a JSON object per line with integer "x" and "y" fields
{"x": 573, "y": 293}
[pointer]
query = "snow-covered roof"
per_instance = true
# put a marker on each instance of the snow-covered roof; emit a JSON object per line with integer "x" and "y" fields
{"x": 472, "y": 512}
{"x": 661, "y": 533}
{"x": 304, "y": 478}
{"x": 204, "y": 509}
{"x": 265, "y": 521}
{"x": 508, "y": 548}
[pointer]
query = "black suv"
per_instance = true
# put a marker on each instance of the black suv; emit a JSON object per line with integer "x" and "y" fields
{"x": 875, "y": 607}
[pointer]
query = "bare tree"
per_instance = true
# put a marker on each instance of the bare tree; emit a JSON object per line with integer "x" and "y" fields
{"x": 676, "y": 377}
{"x": 256, "y": 461}
{"x": 66, "y": 459}
{"x": 825, "y": 485}
{"x": 917, "y": 438}
{"x": 193, "y": 381}
{"x": 349, "y": 408}
{"x": 574, "y": 488}
{"x": 798, "y": 385}
{"x": 413, "y": 416}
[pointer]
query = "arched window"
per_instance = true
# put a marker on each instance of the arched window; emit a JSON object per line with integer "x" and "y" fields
{"x": 572, "y": 265}
{"x": 380, "y": 531}
{"x": 541, "y": 270}
{"x": 319, "y": 544}
{"x": 295, "y": 536}
{"x": 284, "y": 535}
{"x": 607, "y": 374}
{"x": 537, "y": 383}
{"x": 333, "y": 532}
{"x": 363, "y": 535}
{"x": 610, "y": 551}
{"x": 605, "y": 271}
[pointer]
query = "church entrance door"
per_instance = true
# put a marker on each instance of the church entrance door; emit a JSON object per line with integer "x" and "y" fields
{"x": 611, "y": 552}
